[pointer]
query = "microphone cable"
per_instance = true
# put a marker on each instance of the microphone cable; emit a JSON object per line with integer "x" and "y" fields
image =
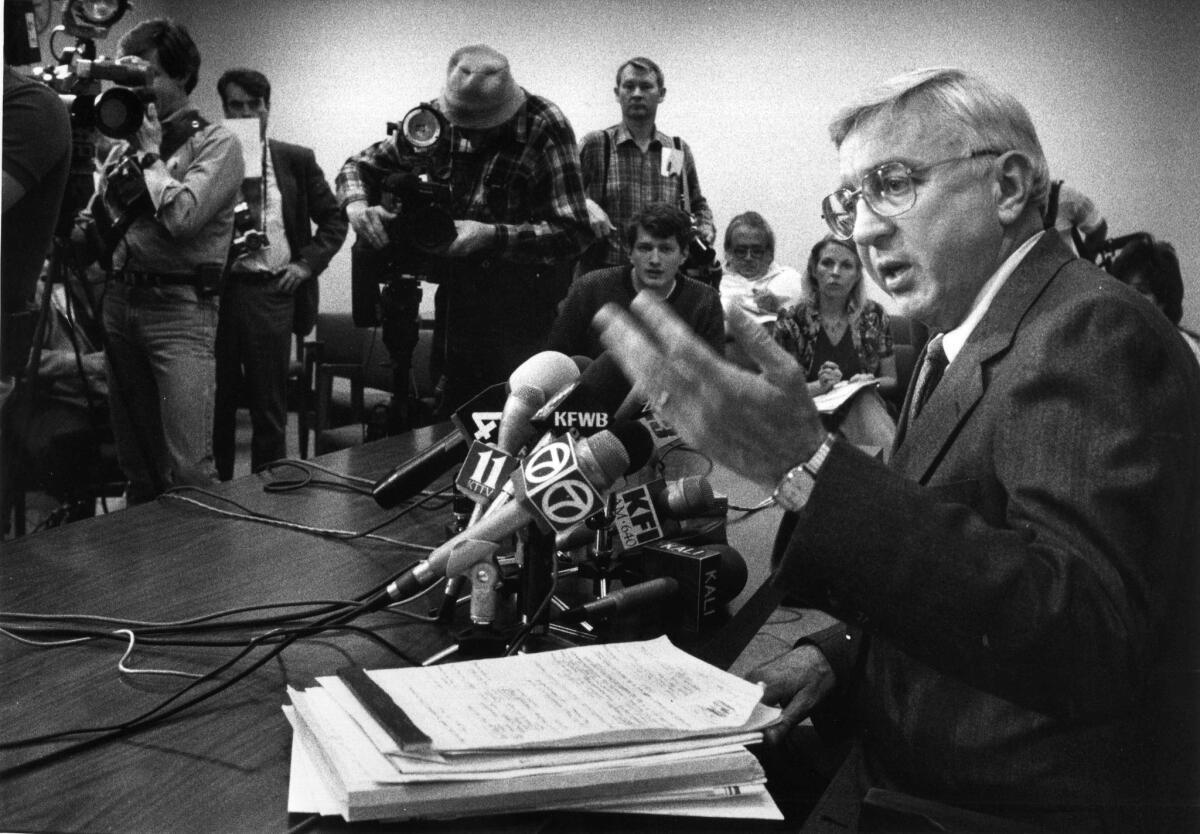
{"x": 278, "y": 638}
{"x": 248, "y": 514}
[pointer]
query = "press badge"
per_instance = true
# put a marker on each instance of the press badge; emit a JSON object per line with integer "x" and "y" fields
{"x": 672, "y": 163}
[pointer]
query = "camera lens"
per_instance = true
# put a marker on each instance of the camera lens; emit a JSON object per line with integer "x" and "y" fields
{"x": 119, "y": 112}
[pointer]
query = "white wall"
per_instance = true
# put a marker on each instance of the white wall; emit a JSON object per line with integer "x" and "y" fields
{"x": 751, "y": 85}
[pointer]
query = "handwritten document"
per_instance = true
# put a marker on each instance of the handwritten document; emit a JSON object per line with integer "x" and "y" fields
{"x": 607, "y": 694}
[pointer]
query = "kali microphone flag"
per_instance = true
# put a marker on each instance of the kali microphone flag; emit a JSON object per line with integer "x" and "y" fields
{"x": 709, "y": 576}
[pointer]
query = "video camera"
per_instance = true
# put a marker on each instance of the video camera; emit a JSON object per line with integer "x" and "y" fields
{"x": 418, "y": 192}
{"x": 117, "y": 112}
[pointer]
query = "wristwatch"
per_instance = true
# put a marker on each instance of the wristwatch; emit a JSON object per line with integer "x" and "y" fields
{"x": 797, "y": 485}
{"x": 147, "y": 159}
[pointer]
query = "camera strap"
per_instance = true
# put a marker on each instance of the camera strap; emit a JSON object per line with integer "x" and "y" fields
{"x": 179, "y": 130}
{"x": 684, "y": 196}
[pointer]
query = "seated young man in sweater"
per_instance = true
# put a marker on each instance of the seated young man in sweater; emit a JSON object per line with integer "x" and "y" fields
{"x": 657, "y": 239}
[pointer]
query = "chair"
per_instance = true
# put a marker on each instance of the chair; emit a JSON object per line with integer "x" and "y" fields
{"x": 60, "y": 452}
{"x": 348, "y": 378}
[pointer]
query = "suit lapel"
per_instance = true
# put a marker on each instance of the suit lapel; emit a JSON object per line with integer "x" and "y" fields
{"x": 924, "y": 441}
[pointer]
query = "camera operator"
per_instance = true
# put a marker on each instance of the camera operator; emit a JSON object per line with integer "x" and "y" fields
{"x": 37, "y": 162}
{"x": 272, "y": 284}
{"x": 517, "y": 200}
{"x": 172, "y": 189}
{"x": 633, "y": 163}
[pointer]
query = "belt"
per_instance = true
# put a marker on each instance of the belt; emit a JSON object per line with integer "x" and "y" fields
{"x": 134, "y": 278}
{"x": 258, "y": 277}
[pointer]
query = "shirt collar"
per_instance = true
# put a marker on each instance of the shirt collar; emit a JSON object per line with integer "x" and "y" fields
{"x": 621, "y": 134}
{"x": 955, "y": 339}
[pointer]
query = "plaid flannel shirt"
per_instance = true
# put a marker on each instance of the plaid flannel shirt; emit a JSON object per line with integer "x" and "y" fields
{"x": 523, "y": 178}
{"x": 635, "y": 179}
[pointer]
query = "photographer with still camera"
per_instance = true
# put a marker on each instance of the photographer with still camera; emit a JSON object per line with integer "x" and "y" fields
{"x": 167, "y": 194}
{"x": 633, "y": 163}
{"x": 271, "y": 290}
{"x": 486, "y": 201}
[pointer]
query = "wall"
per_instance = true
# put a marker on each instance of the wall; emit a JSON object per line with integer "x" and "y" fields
{"x": 751, "y": 85}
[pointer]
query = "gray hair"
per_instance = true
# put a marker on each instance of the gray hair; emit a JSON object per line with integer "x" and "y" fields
{"x": 977, "y": 114}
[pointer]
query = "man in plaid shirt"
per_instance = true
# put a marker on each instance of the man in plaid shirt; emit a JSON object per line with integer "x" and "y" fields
{"x": 632, "y": 164}
{"x": 520, "y": 216}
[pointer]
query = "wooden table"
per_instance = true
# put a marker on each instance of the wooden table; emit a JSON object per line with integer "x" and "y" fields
{"x": 223, "y": 765}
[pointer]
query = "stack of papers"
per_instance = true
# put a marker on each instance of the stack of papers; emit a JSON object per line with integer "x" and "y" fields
{"x": 638, "y": 727}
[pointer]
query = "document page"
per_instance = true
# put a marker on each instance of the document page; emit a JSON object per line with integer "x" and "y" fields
{"x": 607, "y": 694}
{"x": 839, "y": 394}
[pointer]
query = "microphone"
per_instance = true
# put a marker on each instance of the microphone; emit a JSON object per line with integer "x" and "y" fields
{"x": 416, "y": 473}
{"x": 651, "y": 512}
{"x": 559, "y": 487}
{"x": 709, "y": 576}
{"x": 652, "y": 592}
{"x": 588, "y": 405}
{"x": 537, "y": 378}
{"x": 475, "y": 419}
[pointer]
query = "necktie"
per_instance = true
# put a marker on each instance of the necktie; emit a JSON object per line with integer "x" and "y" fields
{"x": 930, "y": 375}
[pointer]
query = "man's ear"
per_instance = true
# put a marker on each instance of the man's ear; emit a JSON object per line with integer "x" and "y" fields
{"x": 662, "y": 93}
{"x": 1014, "y": 186}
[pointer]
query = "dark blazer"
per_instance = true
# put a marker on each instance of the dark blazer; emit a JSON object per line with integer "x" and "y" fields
{"x": 1014, "y": 571}
{"x": 307, "y": 199}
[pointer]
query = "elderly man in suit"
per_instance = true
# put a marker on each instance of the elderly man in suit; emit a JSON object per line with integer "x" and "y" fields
{"x": 272, "y": 289}
{"x": 1016, "y": 641}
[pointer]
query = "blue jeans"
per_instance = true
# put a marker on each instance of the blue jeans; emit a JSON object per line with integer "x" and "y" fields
{"x": 254, "y": 345}
{"x": 162, "y": 383}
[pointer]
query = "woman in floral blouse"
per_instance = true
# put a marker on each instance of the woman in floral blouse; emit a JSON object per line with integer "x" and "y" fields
{"x": 836, "y": 333}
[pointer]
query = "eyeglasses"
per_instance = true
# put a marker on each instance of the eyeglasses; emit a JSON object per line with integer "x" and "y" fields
{"x": 889, "y": 190}
{"x": 744, "y": 251}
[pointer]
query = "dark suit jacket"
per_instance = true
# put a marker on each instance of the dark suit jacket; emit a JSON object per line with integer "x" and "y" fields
{"x": 1013, "y": 571}
{"x": 307, "y": 199}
